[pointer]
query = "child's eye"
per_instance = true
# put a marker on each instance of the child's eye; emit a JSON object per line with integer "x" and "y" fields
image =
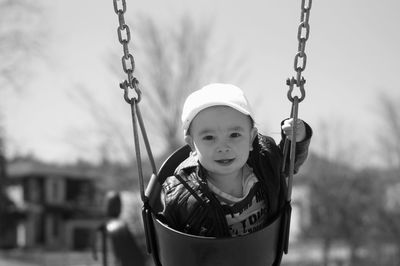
{"x": 208, "y": 137}
{"x": 235, "y": 135}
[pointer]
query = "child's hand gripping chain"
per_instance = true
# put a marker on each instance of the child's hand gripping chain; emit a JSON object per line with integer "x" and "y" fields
{"x": 287, "y": 128}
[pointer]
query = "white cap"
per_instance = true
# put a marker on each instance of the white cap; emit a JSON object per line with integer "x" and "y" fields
{"x": 214, "y": 94}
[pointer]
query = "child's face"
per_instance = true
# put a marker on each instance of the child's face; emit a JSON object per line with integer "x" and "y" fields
{"x": 221, "y": 137}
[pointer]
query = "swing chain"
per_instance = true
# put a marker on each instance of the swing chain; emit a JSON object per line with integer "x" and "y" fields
{"x": 302, "y": 35}
{"x": 128, "y": 62}
{"x": 300, "y": 60}
{"x": 128, "y": 65}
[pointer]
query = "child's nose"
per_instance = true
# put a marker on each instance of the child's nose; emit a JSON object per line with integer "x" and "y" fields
{"x": 223, "y": 148}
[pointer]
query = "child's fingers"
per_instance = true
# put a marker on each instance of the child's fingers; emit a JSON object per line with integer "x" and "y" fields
{"x": 289, "y": 123}
{"x": 287, "y": 128}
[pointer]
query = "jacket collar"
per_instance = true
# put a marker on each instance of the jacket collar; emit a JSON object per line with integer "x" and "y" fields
{"x": 188, "y": 163}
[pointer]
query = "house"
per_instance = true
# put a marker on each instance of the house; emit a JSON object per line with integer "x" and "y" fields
{"x": 62, "y": 207}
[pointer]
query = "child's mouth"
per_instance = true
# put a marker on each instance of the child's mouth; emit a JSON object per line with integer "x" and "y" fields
{"x": 225, "y": 161}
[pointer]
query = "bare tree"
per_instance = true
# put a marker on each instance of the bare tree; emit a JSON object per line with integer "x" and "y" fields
{"x": 175, "y": 61}
{"x": 171, "y": 60}
{"x": 388, "y": 136}
{"x": 175, "y": 65}
{"x": 337, "y": 191}
{"x": 20, "y": 41}
{"x": 21, "y": 38}
{"x": 389, "y": 132}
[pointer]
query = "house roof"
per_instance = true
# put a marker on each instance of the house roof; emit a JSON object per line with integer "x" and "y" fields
{"x": 23, "y": 168}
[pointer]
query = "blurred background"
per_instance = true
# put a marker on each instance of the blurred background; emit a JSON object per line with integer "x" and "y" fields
{"x": 66, "y": 131}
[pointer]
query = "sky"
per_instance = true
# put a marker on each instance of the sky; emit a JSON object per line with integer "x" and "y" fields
{"x": 352, "y": 58}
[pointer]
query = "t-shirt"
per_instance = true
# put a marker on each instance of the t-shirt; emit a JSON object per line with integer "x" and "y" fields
{"x": 248, "y": 213}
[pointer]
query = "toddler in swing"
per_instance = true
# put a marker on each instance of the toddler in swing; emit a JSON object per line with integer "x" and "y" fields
{"x": 232, "y": 183}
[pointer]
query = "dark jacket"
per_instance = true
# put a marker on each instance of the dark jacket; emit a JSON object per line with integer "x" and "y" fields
{"x": 190, "y": 207}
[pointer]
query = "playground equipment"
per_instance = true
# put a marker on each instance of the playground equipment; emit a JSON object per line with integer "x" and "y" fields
{"x": 173, "y": 248}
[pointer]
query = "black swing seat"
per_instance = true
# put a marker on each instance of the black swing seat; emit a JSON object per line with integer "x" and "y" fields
{"x": 170, "y": 247}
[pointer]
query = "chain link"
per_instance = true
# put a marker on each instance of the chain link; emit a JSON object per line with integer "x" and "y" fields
{"x": 300, "y": 59}
{"x": 127, "y": 59}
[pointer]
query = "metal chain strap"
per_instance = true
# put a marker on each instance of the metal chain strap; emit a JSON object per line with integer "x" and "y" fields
{"x": 128, "y": 65}
{"x": 300, "y": 60}
{"x": 128, "y": 62}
